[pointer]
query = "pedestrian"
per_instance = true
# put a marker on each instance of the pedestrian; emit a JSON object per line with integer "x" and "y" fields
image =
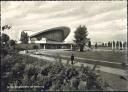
{"x": 72, "y": 59}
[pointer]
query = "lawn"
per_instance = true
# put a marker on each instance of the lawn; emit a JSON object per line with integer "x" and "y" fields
{"x": 108, "y": 56}
{"x": 115, "y": 81}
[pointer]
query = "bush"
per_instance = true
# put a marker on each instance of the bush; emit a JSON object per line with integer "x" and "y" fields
{"x": 4, "y": 51}
{"x": 25, "y": 70}
{"x": 35, "y": 47}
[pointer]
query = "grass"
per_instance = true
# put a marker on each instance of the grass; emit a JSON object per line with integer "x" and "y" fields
{"x": 115, "y": 82}
{"x": 110, "y": 56}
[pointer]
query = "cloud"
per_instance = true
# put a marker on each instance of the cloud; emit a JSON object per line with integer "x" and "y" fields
{"x": 101, "y": 17}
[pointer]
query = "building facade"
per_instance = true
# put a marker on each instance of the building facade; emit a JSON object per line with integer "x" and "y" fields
{"x": 52, "y": 38}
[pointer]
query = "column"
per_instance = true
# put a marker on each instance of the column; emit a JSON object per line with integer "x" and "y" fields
{"x": 71, "y": 47}
{"x": 44, "y": 46}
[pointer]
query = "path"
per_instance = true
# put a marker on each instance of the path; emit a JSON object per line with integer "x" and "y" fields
{"x": 101, "y": 68}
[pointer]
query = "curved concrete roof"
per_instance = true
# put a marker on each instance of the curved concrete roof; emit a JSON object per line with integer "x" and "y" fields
{"x": 66, "y": 31}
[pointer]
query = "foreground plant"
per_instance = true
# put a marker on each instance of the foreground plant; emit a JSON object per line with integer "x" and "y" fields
{"x": 49, "y": 76}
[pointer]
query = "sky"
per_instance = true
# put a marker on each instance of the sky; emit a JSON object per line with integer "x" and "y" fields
{"x": 105, "y": 20}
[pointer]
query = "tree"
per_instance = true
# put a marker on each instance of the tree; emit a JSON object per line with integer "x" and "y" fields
{"x": 12, "y": 43}
{"x": 89, "y": 44}
{"x": 96, "y": 45}
{"x": 109, "y": 44}
{"x": 81, "y": 37}
{"x": 103, "y": 45}
{"x": 117, "y": 44}
{"x": 125, "y": 44}
{"x": 6, "y": 27}
{"x": 35, "y": 47}
{"x": 121, "y": 44}
{"x": 113, "y": 43}
{"x": 24, "y": 37}
{"x": 4, "y": 38}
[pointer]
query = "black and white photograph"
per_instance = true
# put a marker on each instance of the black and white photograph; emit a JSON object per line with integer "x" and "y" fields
{"x": 65, "y": 45}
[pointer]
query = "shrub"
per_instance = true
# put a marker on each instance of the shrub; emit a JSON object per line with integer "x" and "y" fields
{"x": 35, "y": 47}
{"x": 24, "y": 70}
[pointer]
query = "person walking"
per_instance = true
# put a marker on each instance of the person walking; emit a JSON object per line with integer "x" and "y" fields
{"x": 72, "y": 59}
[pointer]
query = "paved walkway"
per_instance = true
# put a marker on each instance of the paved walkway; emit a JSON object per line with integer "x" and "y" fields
{"x": 101, "y": 68}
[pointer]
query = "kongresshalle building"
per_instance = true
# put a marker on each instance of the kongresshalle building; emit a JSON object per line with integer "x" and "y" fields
{"x": 52, "y": 38}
